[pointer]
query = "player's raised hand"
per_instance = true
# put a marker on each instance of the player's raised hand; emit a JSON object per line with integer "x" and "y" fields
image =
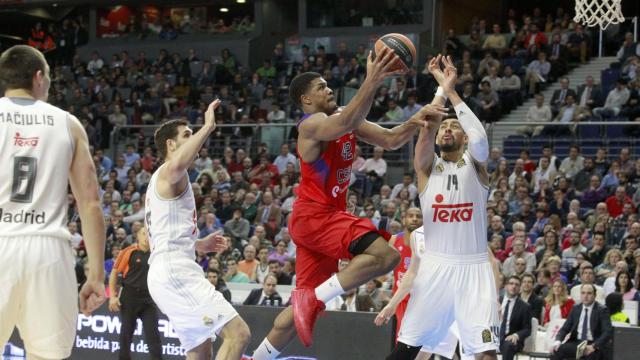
{"x": 385, "y": 315}
{"x": 214, "y": 242}
{"x": 209, "y": 115}
{"x": 450, "y": 73}
{"x": 435, "y": 70}
{"x": 379, "y": 68}
{"x": 427, "y": 113}
{"x": 91, "y": 296}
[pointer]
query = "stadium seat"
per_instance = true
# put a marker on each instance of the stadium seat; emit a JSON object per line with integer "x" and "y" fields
{"x": 589, "y": 131}
{"x": 613, "y": 131}
{"x": 608, "y": 78}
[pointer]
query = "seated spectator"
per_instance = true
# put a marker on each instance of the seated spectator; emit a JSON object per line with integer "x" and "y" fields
{"x": 557, "y": 304}
{"x": 280, "y": 252}
{"x": 516, "y": 320}
{"x": 394, "y": 112}
{"x": 559, "y": 57}
{"x": 550, "y": 245}
{"x": 610, "y": 283}
{"x": 572, "y": 164}
{"x": 615, "y": 304}
{"x": 284, "y": 158}
{"x": 250, "y": 263}
{"x": 628, "y": 48}
{"x": 276, "y": 115}
{"x": 412, "y": 106}
{"x": 488, "y": 103}
{"x": 624, "y": 286}
{"x": 232, "y": 274}
{"x": 509, "y": 90}
{"x": 537, "y": 72}
{"x": 275, "y": 268}
{"x": 492, "y": 77}
{"x": 587, "y": 276}
{"x": 213, "y": 275}
{"x": 535, "y": 40}
{"x": 373, "y": 288}
{"x": 269, "y": 215}
{"x": 559, "y": 97}
{"x": 615, "y": 203}
{"x": 375, "y": 168}
{"x": 536, "y": 303}
{"x": 589, "y": 94}
{"x": 267, "y": 296}
{"x": 495, "y": 41}
{"x": 262, "y": 268}
{"x": 487, "y": 62}
{"x": 578, "y": 44}
{"x": 509, "y": 266}
{"x": 616, "y": 98}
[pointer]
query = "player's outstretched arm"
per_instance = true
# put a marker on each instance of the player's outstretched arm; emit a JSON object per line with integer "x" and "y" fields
{"x": 478, "y": 141}
{"x": 403, "y": 289}
{"x": 185, "y": 154}
{"x": 391, "y": 139}
{"x": 84, "y": 185}
{"x": 321, "y": 127}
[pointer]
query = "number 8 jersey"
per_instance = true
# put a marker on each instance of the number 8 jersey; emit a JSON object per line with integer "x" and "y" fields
{"x": 36, "y": 151}
{"x": 454, "y": 204}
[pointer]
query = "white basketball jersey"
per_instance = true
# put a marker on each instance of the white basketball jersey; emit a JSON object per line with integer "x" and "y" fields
{"x": 36, "y": 150}
{"x": 172, "y": 223}
{"x": 454, "y": 209}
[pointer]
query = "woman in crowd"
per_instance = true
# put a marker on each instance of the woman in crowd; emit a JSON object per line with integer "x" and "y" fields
{"x": 607, "y": 268}
{"x": 557, "y": 304}
{"x": 624, "y": 286}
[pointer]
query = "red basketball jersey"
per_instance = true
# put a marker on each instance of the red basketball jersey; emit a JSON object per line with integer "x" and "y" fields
{"x": 326, "y": 180}
{"x": 405, "y": 260}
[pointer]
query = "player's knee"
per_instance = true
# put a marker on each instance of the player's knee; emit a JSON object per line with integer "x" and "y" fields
{"x": 391, "y": 259}
{"x": 243, "y": 336}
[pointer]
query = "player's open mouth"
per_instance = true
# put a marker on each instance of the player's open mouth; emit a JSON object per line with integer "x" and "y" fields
{"x": 447, "y": 137}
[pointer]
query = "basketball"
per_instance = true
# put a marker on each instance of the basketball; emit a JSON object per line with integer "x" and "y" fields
{"x": 402, "y": 46}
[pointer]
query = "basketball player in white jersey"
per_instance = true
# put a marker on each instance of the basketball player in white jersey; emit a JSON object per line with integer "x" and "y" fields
{"x": 176, "y": 282}
{"x": 43, "y": 149}
{"x": 457, "y": 282}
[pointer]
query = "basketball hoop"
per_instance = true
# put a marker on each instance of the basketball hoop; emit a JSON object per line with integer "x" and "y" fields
{"x": 598, "y": 12}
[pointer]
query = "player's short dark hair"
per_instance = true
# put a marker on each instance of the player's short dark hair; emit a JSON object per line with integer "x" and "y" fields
{"x": 166, "y": 131}
{"x": 300, "y": 84}
{"x": 18, "y": 64}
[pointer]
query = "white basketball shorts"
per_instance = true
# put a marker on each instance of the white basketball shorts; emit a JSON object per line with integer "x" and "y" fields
{"x": 38, "y": 294}
{"x": 453, "y": 288}
{"x": 178, "y": 286}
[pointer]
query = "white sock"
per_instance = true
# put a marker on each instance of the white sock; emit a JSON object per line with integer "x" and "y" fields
{"x": 265, "y": 351}
{"x": 329, "y": 289}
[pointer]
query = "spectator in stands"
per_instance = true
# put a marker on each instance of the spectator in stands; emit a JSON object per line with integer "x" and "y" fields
{"x": 535, "y": 40}
{"x": 518, "y": 252}
{"x": 544, "y": 171}
{"x": 516, "y": 321}
{"x": 213, "y": 275}
{"x": 510, "y": 90}
{"x": 615, "y": 203}
{"x": 375, "y": 168}
{"x": 95, "y": 64}
{"x": 394, "y": 112}
{"x": 570, "y": 114}
{"x": 616, "y": 98}
{"x": 275, "y": 268}
{"x": 559, "y": 98}
{"x": 624, "y": 286}
{"x": 267, "y": 296}
{"x": 582, "y": 180}
{"x": 408, "y": 184}
{"x": 587, "y": 277}
{"x": 626, "y": 164}
{"x": 550, "y": 246}
{"x": 495, "y": 41}
{"x": 598, "y": 249}
{"x": 487, "y": 62}
{"x": 615, "y": 304}
{"x": 578, "y": 44}
{"x": 572, "y": 164}
{"x": 284, "y": 158}
{"x": 373, "y": 289}
{"x": 249, "y": 264}
{"x": 488, "y": 103}
{"x": 570, "y": 254}
{"x": 537, "y": 72}
{"x": 628, "y": 48}
{"x": 540, "y": 112}
{"x": 232, "y": 274}
{"x": 237, "y": 228}
{"x": 536, "y": 303}
{"x": 495, "y": 157}
{"x": 609, "y": 285}
{"x": 589, "y": 95}
{"x": 558, "y": 304}
{"x": 598, "y": 331}
{"x": 559, "y": 56}
{"x": 265, "y": 173}
{"x": 495, "y": 245}
{"x": 411, "y": 108}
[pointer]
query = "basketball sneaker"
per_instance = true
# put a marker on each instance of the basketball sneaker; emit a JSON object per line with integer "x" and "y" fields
{"x": 306, "y": 308}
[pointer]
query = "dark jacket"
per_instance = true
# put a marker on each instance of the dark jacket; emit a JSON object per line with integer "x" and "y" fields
{"x": 600, "y": 325}
{"x": 519, "y": 321}
{"x": 256, "y": 294}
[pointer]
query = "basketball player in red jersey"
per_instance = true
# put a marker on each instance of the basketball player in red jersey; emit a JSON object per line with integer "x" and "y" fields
{"x": 401, "y": 242}
{"x": 320, "y": 226}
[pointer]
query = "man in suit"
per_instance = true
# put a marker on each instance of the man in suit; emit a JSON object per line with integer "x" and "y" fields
{"x": 269, "y": 215}
{"x": 559, "y": 57}
{"x": 589, "y": 322}
{"x": 536, "y": 303}
{"x": 570, "y": 114}
{"x": 516, "y": 320}
{"x": 559, "y": 98}
{"x": 267, "y": 296}
{"x": 589, "y": 95}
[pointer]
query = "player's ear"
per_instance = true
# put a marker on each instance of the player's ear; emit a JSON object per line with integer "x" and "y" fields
{"x": 305, "y": 100}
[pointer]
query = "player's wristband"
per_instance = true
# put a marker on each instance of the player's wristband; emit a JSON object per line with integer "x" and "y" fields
{"x": 440, "y": 92}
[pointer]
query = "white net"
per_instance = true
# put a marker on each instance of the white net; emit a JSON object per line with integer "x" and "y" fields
{"x": 598, "y": 12}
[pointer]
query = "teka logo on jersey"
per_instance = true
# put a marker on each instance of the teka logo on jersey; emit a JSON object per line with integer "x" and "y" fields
{"x": 451, "y": 213}
{"x": 25, "y": 141}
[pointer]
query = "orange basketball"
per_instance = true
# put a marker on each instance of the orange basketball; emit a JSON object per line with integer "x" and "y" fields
{"x": 402, "y": 46}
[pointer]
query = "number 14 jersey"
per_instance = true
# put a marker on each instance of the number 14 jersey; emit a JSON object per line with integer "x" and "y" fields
{"x": 36, "y": 150}
{"x": 454, "y": 206}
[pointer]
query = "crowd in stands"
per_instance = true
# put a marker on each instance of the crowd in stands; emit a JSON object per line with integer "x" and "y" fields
{"x": 556, "y": 222}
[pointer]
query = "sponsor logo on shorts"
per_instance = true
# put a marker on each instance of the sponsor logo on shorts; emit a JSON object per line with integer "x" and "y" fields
{"x": 207, "y": 320}
{"x": 450, "y": 213}
{"x": 486, "y": 336}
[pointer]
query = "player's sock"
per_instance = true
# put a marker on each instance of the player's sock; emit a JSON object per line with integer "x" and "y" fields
{"x": 329, "y": 289}
{"x": 265, "y": 351}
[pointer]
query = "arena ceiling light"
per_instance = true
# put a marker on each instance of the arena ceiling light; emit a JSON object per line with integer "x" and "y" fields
{"x": 224, "y": 9}
{"x": 241, "y": 1}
